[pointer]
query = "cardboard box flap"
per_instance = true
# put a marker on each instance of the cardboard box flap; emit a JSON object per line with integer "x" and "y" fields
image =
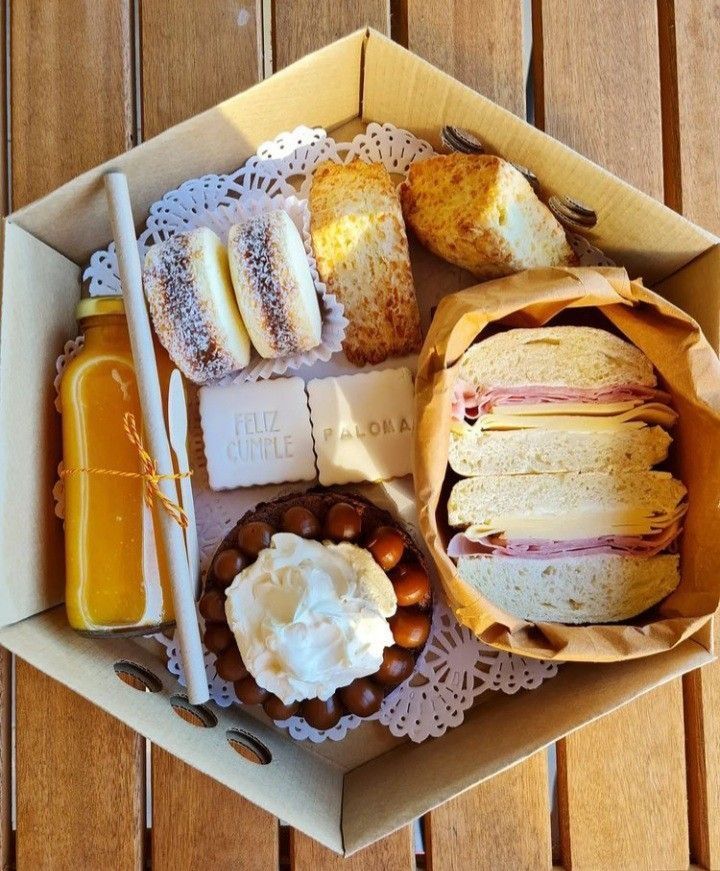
{"x": 297, "y": 785}
{"x": 322, "y": 89}
{"x": 387, "y": 792}
{"x": 40, "y": 291}
{"x": 634, "y": 229}
{"x": 694, "y": 289}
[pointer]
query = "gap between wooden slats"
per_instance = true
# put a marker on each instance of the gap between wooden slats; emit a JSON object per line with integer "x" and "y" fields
{"x": 7, "y": 845}
{"x": 690, "y": 42}
{"x": 504, "y": 822}
{"x": 621, "y": 780}
{"x": 189, "y": 62}
{"x": 80, "y": 772}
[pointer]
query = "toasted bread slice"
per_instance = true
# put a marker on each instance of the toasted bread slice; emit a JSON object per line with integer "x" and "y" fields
{"x": 361, "y": 249}
{"x": 477, "y": 211}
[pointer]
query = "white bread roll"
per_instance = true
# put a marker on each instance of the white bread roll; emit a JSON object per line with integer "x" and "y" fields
{"x": 577, "y": 357}
{"x": 273, "y": 285}
{"x": 594, "y": 589}
{"x": 567, "y": 505}
{"x": 479, "y": 212}
{"x": 474, "y": 451}
{"x": 192, "y": 305}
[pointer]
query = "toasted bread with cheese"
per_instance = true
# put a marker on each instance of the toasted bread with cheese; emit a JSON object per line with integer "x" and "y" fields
{"x": 361, "y": 249}
{"x": 477, "y": 211}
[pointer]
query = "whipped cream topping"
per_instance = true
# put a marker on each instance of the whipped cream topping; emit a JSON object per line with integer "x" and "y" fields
{"x": 310, "y": 617}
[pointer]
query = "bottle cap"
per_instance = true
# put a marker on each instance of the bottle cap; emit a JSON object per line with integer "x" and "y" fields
{"x": 96, "y": 306}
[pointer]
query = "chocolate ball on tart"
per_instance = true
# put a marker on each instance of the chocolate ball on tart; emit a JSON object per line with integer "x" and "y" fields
{"x": 326, "y": 605}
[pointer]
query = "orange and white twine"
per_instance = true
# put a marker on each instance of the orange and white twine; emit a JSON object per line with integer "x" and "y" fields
{"x": 149, "y": 475}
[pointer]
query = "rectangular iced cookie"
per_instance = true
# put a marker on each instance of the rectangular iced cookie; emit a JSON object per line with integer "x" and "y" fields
{"x": 362, "y": 426}
{"x": 257, "y": 433}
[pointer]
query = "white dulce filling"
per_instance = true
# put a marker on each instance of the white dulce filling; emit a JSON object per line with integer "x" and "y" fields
{"x": 309, "y": 617}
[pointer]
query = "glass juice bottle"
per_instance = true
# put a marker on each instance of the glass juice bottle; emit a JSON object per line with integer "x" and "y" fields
{"x": 116, "y": 577}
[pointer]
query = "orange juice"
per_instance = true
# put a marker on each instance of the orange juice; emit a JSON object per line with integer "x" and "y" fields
{"x": 116, "y": 576}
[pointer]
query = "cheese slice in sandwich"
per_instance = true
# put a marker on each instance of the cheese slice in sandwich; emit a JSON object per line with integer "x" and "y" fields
{"x": 553, "y": 438}
{"x": 577, "y": 416}
{"x": 567, "y": 589}
{"x": 566, "y": 506}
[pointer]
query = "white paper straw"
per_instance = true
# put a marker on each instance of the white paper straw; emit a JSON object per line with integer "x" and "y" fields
{"x": 188, "y": 632}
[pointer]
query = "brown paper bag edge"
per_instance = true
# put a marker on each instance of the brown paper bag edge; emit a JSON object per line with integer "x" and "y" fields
{"x": 529, "y": 299}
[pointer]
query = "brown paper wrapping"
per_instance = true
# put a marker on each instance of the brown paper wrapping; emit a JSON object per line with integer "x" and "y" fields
{"x": 691, "y": 372}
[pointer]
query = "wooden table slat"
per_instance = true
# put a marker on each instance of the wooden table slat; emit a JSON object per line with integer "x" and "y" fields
{"x": 190, "y": 62}
{"x": 702, "y": 737}
{"x": 80, "y": 772}
{"x": 467, "y": 832}
{"x": 302, "y": 26}
{"x": 71, "y": 89}
{"x": 393, "y": 853}
{"x": 503, "y": 823}
{"x": 195, "y": 56}
{"x": 80, "y": 781}
{"x": 621, "y": 788}
{"x": 299, "y": 27}
{"x": 7, "y": 846}
{"x": 621, "y": 780}
{"x": 697, "y": 42}
{"x": 591, "y": 54}
{"x": 487, "y": 58}
{"x": 196, "y": 819}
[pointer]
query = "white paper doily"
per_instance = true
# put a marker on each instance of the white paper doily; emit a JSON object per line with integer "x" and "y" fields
{"x": 451, "y": 672}
{"x": 282, "y": 167}
{"x": 455, "y": 668}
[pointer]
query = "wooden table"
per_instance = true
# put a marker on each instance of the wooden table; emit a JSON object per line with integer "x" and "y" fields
{"x": 633, "y": 85}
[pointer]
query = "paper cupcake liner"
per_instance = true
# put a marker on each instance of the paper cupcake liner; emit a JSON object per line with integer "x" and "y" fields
{"x": 334, "y": 322}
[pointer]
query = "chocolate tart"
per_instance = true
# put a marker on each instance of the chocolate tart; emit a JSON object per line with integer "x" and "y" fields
{"x": 323, "y": 515}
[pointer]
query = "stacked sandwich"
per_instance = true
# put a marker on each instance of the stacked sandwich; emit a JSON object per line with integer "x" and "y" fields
{"x": 556, "y": 431}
